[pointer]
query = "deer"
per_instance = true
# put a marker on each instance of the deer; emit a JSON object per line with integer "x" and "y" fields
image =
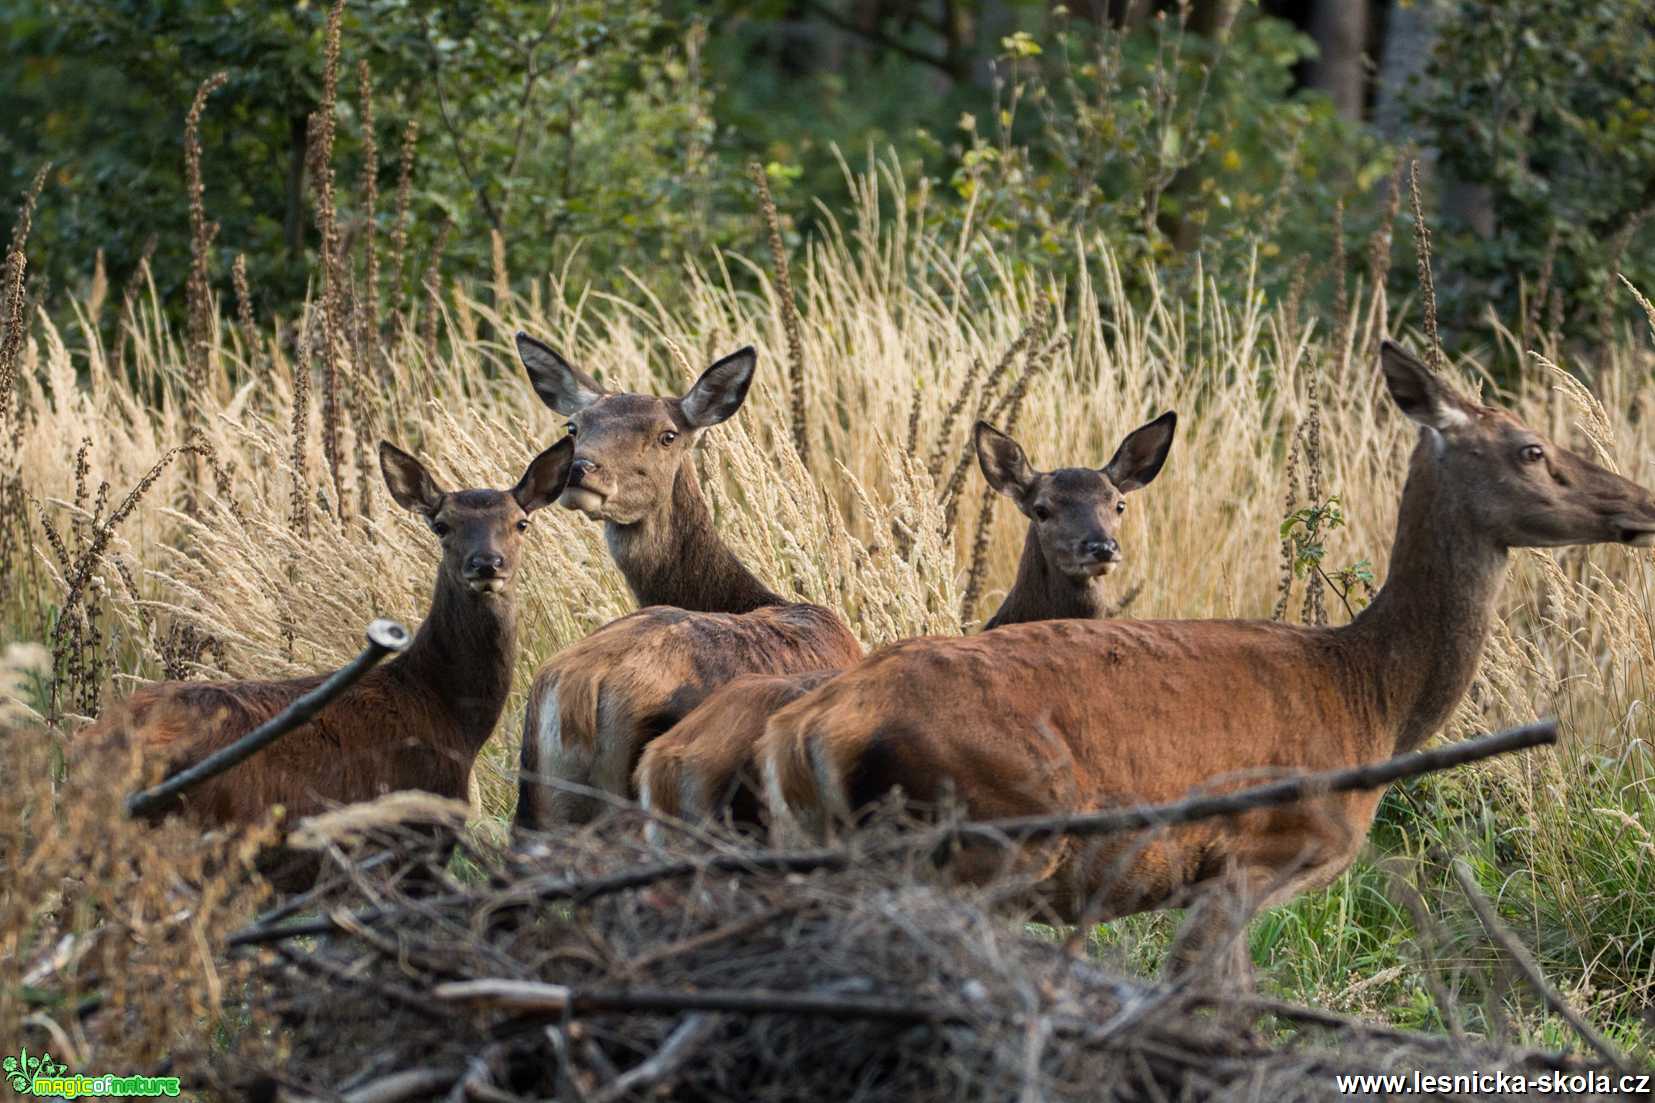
{"x": 1060, "y": 716}
{"x": 416, "y": 722}
{"x": 705, "y": 617}
{"x": 703, "y": 766}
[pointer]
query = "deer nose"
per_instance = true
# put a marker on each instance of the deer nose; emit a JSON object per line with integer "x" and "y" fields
{"x": 1101, "y": 551}
{"x": 485, "y": 565}
{"x": 580, "y": 469}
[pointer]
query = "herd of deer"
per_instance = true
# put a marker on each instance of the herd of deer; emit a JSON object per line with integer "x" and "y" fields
{"x": 721, "y": 698}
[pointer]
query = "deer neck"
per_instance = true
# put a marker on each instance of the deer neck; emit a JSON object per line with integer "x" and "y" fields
{"x": 1420, "y": 640}
{"x": 1041, "y": 593}
{"x": 463, "y": 652}
{"x": 674, "y": 556}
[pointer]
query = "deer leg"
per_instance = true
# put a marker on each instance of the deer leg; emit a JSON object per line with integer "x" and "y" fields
{"x": 561, "y": 756}
{"x": 1211, "y": 945}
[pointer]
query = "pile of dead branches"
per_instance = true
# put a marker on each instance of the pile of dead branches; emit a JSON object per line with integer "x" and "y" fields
{"x": 588, "y": 966}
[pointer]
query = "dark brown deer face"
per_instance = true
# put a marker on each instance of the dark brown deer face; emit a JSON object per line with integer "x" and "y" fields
{"x": 481, "y": 530}
{"x": 1516, "y": 486}
{"x": 1075, "y": 512}
{"x": 628, "y": 447}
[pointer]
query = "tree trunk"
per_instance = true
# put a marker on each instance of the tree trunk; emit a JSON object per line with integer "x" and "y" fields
{"x": 1214, "y": 18}
{"x": 1340, "y": 29}
{"x": 293, "y": 224}
{"x": 1410, "y": 34}
{"x": 994, "y": 20}
{"x": 1409, "y": 39}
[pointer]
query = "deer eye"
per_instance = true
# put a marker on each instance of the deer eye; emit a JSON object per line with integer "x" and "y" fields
{"x": 440, "y": 527}
{"x": 1120, "y": 506}
{"x": 571, "y": 428}
{"x": 668, "y": 437}
{"x": 523, "y": 525}
{"x": 1532, "y": 453}
{"x": 1041, "y": 513}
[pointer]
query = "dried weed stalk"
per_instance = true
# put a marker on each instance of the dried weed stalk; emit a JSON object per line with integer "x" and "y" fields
{"x": 1379, "y": 255}
{"x": 433, "y": 292}
{"x": 198, "y": 290}
{"x": 988, "y": 409}
{"x": 789, "y": 310}
{"x": 1427, "y": 287}
{"x": 405, "y": 197}
{"x": 323, "y": 128}
{"x": 14, "y": 303}
{"x": 244, "y": 309}
{"x": 129, "y": 301}
{"x": 1008, "y": 416}
{"x": 367, "y": 322}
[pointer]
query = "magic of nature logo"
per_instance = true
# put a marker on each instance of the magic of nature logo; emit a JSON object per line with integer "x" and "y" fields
{"x": 43, "y": 1077}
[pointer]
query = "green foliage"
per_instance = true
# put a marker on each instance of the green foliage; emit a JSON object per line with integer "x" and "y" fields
{"x": 1550, "y": 106}
{"x": 552, "y": 124}
{"x": 1305, "y": 531}
{"x": 623, "y": 130}
{"x": 800, "y": 100}
{"x": 1181, "y": 151}
{"x": 555, "y": 124}
{"x": 108, "y": 84}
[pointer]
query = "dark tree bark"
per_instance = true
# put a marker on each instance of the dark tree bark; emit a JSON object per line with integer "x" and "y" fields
{"x": 1124, "y": 14}
{"x": 994, "y": 20}
{"x": 293, "y": 222}
{"x": 883, "y": 26}
{"x": 1411, "y": 35}
{"x": 1214, "y": 18}
{"x": 1340, "y": 30}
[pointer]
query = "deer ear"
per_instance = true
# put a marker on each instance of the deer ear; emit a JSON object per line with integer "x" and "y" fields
{"x": 720, "y": 391}
{"x": 1418, "y": 391}
{"x": 1001, "y": 458}
{"x": 411, "y": 485}
{"x": 546, "y": 476}
{"x": 560, "y": 385}
{"x": 1139, "y": 458}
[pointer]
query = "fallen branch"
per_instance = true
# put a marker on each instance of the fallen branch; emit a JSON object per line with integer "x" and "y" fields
{"x": 384, "y": 637}
{"x": 412, "y": 1084}
{"x": 541, "y": 890}
{"x": 1530, "y": 968}
{"x": 874, "y": 978}
{"x": 536, "y": 998}
{"x": 678, "y": 1048}
{"x": 738, "y": 929}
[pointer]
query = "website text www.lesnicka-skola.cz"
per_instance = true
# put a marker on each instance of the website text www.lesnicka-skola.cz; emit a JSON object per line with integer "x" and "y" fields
{"x": 1495, "y": 1083}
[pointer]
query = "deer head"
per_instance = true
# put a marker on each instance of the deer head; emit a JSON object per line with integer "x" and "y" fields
{"x": 481, "y": 530}
{"x": 628, "y": 447}
{"x": 1510, "y": 482}
{"x": 1075, "y": 512}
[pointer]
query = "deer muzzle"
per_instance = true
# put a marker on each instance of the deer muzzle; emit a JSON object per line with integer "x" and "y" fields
{"x": 583, "y": 498}
{"x": 1635, "y": 530}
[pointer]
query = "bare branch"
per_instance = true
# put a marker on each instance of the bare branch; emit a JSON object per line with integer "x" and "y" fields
{"x": 1526, "y": 965}
{"x": 535, "y": 891}
{"x": 877, "y": 37}
{"x": 678, "y": 1047}
{"x": 384, "y": 637}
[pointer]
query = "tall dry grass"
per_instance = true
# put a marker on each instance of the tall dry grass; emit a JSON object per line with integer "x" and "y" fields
{"x": 895, "y": 323}
{"x": 111, "y": 931}
{"x": 896, "y": 327}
